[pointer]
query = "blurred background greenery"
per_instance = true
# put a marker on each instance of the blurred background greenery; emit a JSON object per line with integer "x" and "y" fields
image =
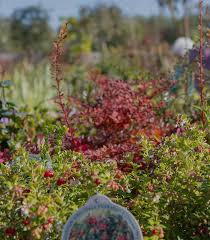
{"x": 103, "y": 37}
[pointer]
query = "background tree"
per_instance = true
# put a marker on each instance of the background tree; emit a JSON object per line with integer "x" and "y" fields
{"x": 30, "y": 30}
{"x": 104, "y": 23}
{"x": 4, "y": 38}
{"x": 79, "y": 41}
{"x": 173, "y": 6}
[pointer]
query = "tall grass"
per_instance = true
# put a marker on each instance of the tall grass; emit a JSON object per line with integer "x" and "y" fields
{"x": 32, "y": 85}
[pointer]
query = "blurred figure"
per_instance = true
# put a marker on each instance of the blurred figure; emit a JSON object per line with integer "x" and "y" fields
{"x": 180, "y": 77}
{"x": 182, "y": 45}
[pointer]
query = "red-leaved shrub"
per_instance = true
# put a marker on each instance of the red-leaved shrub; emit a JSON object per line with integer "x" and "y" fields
{"x": 115, "y": 117}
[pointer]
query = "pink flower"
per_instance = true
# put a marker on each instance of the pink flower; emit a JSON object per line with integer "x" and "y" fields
{"x": 113, "y": 185}
{"x": 102, "y": 226}
{"x": 40, "y": 139}
{"x": 92, "y": 220}
{"x": 5, "y": 156}
{"x": 10, "y": 232}
{"x": 83, "y": 148}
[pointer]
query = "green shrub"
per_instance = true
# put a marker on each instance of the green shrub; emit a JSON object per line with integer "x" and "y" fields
{"x": 170, "y": 199}
{"x": 182, "y": 182}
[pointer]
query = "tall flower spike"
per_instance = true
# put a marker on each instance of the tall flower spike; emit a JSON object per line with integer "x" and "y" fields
{"x": 57, "y": 73}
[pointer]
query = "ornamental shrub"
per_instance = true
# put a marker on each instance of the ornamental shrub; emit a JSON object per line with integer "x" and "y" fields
{"x": 170, "y": 199}
{"x": 180, "y": 183}
{"x": 116, "y": 113}
{"x": 108, "y": 123}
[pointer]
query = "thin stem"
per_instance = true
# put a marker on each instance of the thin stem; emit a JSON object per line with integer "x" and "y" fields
{"x": 57, "y": 74}
{"x": 201, "y": 63}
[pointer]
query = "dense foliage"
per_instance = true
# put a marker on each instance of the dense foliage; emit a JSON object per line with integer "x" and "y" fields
{"x": 118, "y": 124}
{"x": 170, "y": 198}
